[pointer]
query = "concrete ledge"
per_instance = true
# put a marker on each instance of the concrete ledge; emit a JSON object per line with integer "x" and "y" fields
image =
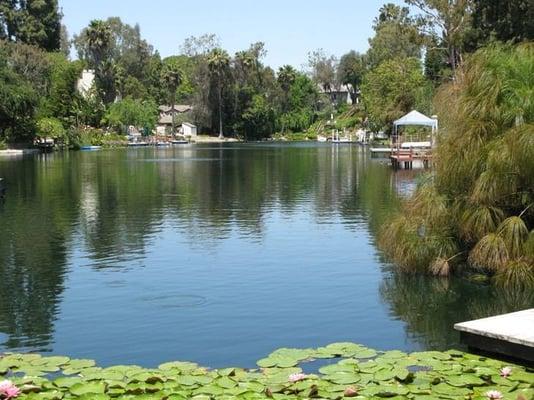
{"x": 510, "y": 334}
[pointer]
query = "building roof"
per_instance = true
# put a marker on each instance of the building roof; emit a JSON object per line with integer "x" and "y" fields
{"x": 189, "y": 125}
{"x": 181, "y": 108}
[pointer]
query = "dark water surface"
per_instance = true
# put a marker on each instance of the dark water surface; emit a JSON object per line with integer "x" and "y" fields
{"x": 215, "y": 254}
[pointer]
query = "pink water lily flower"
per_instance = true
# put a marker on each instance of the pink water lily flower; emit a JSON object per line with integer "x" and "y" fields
{"x": 8, "y": 390}
{"x": 506, "y": 372}
{"x": 494, "y": 395}
{"x": 297, "y": 377}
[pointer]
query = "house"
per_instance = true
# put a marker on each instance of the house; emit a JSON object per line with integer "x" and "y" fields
{"x": 339, "y": 94}
{"x": 85, "y": 82}
{"x": 166, "y": 113}
{"x": 189, "y": 129}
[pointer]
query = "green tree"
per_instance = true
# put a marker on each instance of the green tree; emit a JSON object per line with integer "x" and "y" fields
{"x": 34, "y": 22}
{"x": 61, "y": 91}
{"x": 134, "y": 112}
{"x": 323, "y": 69}
{"x": 18, "y": 103}
{"x": 172, "y": 78}
{"x": 259, "y": 118}
{"x": 98, "y": 55}
{"x": 29, "y": 62}
{"x": 392, "y": 89}
{"x": 51, "y": 128}
{"x": 218, "y": 63}
{"x": 302, "y": 97}
{"x": 450, "y": 19}
{"x": 396, "y": 36}
{"x": 351, "y": 70}
{"x": 511, "y": 20}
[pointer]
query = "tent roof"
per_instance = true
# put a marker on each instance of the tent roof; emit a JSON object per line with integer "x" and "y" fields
{"x": 416, "y": 118}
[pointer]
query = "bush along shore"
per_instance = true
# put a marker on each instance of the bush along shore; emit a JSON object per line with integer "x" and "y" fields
{"x": 339, "y": 370}
{"x": 476, "y": 211}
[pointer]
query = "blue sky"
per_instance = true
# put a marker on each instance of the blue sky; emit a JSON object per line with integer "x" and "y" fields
{"x": 290, "y": 28}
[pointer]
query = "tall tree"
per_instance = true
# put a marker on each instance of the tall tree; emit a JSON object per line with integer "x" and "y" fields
{"x": 172, "y": 77}
{"x": 323, "y": 69}
{"x": 396, "y": 35}
{"x": 18, "y": 103}
{"x": 125, "y": 54}
{"x": 351, "y": 69}
{"x": 392, "y": 89}
{"x": 450, "y": 19}
{"x": 511, "y": 20}
{"x": 218, "y": 63}
{"x": 34, "y": 22}
{"x": 98, "y": 54}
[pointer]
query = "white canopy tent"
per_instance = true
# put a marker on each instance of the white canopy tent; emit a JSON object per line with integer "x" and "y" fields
{"x": 415, "y": 118}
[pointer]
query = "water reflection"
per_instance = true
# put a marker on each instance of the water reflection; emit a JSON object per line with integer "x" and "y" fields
{"x": 212, "y": 244}
{"x": 431, "y": 306}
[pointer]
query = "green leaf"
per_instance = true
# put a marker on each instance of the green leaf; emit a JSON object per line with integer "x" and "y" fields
{"x": 88, "y": 387}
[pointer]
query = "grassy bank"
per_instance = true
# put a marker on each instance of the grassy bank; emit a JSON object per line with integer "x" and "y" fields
{"x": 333, "y": 372}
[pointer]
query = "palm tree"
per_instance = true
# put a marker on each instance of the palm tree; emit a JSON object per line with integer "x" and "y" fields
{"x": 218, "y": 62}
{"x": 286, "y": 76}
{"x": 99, "y": 44}
{"x": 172, "y": 78}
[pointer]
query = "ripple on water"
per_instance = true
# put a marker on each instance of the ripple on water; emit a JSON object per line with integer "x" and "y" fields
{"x": 175, "y": 300}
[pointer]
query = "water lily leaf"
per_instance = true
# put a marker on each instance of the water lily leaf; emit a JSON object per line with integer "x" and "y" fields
{"x": 445, "y": 389}
{"x": 80, "y": 363}
{"x": 343, "y": 378}
{"x": 53, "y": 395}
{"x": 364, "y": 353}
{"x": 88, "y": 387}
{"x": 266, "y": 362}
{"x": 212, "y": 390}
{"x": 465, "y": 381}
{"x": 437, "y": 355}
{"x": 94, "y": 396}
{"x": 103, "y": 375}
{"x": 225, "y": 382}
{"x": 394, "y": 354}
{"x": 402, "y": 374}
{"x": 146, "y": 377}
{"x": 179, "y": 365}
{"x": 186, "y": 380}
{"x": 333, "y": 368}
{"x": 56, "y": 360}
{"x": 384, "y": 375}
{"x": 522, "y": 376}
{"x": 66, "y": 382}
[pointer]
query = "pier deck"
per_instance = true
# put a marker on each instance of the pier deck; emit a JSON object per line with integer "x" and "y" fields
{"x": 508, "y": 334}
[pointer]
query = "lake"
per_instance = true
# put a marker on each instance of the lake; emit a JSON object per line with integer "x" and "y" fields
{"x": 217, "y": 254}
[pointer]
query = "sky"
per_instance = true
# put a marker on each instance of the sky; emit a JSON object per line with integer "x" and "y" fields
{"x": 290, "y": 29}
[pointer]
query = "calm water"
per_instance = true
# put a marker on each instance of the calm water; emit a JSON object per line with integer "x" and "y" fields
{"x": 216, "y": 254}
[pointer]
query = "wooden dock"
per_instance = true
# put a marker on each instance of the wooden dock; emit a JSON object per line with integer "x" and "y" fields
{"x": 509, "y": 334}
{"x": 399, "y": 157}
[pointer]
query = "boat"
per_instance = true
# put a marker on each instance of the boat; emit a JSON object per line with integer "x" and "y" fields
{"x": 90, "y": 148}
{"x": 341, "y": 140}
{"x": 179, "y": 142}
{"x": 162, "y": 144}
{"x": 137, "y": 144}
{"x": 321, "y": 139}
